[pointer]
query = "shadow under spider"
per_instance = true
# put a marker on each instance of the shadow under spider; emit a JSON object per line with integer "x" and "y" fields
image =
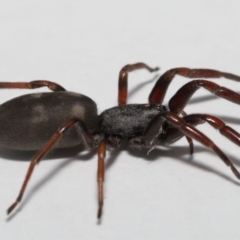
{"x": 205, "y": 98}
{"x": 178, "y": 153}
{"x": 141, "y": 85}
{"x": 47, "y": 177}
{"x": 20, "y": 155}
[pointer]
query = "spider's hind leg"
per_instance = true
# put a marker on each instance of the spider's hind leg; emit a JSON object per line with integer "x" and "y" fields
{"x": 33, "y": 84}
{"x": 85, "y": 136}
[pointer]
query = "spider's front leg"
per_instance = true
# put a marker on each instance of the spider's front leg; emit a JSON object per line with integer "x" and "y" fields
{"x": 183, "y": 95}
{"x": 188, "y": 130}
{"x": 123, "y": 79}
{"x": 158, "y": 92}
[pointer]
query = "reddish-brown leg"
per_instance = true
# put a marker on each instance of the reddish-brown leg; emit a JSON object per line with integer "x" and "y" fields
{"x": 190, "y": 141}
{"x": 218, "y": 124}
{"x": 183, "y": 95}
{"x": 161, "y": 86}
{"x": 123, "y": 79}
{"x": 33, "y": 84}
{"x": 190, "y": 131}
{"x": 87, "y": 138}
{"x": 173, "y": 134}
{"x": 100, "y": 175}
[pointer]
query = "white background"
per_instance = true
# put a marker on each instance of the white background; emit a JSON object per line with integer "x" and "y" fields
{"x": 82, "y": 46}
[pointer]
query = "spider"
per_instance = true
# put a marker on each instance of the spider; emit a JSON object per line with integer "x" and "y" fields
{"x": 62, "y": 119}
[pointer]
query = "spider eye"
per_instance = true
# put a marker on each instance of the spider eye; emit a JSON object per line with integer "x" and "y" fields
{"x": 161, "y": 108}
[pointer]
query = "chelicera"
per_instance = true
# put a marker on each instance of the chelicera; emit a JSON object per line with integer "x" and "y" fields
{"x": 62, "y": 119}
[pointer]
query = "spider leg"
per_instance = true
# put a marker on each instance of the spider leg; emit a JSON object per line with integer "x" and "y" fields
{"x": 33, "y": 84}
{"x": 159, "y": 90}
{"x": 100, "y": 175}
{"x": 190, "y": 131}
{"x": 174, "y": 134}
{"x": 123, "y": 79}
{"x": 190, "y": 141}
{"x": 183, "y": 95}
{"x": 81, "y": 129}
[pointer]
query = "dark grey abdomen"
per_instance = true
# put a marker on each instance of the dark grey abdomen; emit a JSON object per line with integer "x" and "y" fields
{"x": 27, "y": 122}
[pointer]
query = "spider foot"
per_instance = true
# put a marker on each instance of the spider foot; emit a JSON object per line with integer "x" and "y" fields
{"x": 12, "y": 207}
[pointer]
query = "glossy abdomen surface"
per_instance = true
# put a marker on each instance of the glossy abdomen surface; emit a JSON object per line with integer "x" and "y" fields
{"x": 27, "y": 122}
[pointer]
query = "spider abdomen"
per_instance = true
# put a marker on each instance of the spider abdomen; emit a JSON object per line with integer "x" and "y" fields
{"x": 128, "y": 120}
{"x": 27, "y": 122}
